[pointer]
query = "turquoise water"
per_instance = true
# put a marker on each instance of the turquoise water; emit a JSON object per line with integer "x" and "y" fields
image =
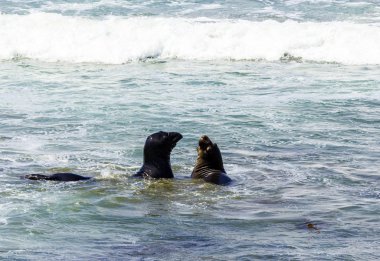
{"x": 299, "y": 133}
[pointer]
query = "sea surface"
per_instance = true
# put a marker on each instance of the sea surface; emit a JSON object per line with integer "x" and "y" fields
{"x": 290, "y": 91}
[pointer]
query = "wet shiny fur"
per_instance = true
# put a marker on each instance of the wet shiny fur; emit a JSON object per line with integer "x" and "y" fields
{"x": 209, "y": 165}
{"x": 157, "y": 149}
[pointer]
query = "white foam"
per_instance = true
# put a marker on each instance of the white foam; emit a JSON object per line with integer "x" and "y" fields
{"x": 115, "y": 40}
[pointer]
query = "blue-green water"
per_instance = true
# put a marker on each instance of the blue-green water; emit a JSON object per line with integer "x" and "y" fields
{"x": 299, "y": 136}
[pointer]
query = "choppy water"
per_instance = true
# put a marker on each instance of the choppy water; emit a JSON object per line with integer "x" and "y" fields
{"x": 288, "y": 89}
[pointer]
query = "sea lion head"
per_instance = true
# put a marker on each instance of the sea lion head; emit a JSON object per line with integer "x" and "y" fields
{"x": 161, "y": 143}
{"x": 209, "y": 152}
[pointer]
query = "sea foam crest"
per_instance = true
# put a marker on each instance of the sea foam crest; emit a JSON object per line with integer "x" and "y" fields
{"x": 115, "y": 40}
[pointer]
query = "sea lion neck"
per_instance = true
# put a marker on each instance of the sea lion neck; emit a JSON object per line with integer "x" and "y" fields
{"x": 151, "y": 155}
{"x": 158, "y": 167}
{"x": 215, "y": 164}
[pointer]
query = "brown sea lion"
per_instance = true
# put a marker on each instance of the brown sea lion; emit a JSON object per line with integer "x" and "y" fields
{"x": 157, "y": 149}
{"x": 209, "y": 165}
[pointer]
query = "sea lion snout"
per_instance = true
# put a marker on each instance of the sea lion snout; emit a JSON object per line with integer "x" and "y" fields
{"x": 204, "y": 142}
{"x": 175, "y": 136}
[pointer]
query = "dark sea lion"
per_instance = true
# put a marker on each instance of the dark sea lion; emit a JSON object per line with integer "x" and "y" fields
{"x": 157, "y": 149}
{"x": 56, "y": 177}
{"x": 209, "y": 165}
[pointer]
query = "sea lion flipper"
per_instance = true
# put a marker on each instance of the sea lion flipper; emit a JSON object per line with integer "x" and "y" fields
{"x": 57, "y": 177}
{"x": 36, "y": 177}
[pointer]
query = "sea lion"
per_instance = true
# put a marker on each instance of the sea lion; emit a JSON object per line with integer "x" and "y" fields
{"x": 56, "y": 177}
{"x": 157, "y": 149}
{"x": 209, "y": 165}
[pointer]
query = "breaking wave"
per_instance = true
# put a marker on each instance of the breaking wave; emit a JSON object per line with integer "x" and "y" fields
{"x": 116, "y": 40}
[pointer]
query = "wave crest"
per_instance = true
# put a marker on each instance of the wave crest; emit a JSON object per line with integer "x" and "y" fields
{"x": 115, "y": 40}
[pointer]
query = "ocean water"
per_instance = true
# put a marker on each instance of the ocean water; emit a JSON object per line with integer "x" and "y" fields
{"x": 290, "y": 91}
